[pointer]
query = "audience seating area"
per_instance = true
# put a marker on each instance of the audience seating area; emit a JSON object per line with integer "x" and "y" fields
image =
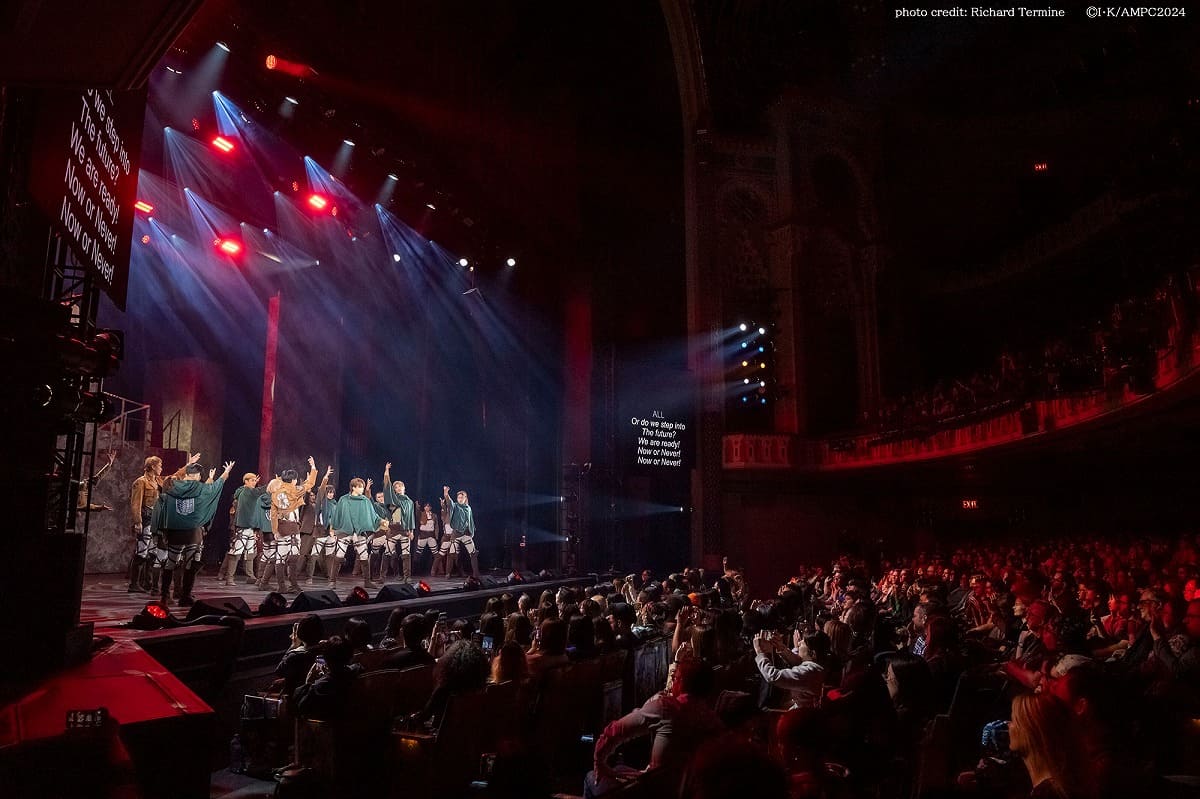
{"x": 839, "y": 683}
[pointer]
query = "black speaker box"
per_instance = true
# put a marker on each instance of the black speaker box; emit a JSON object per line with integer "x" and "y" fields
{"x": 395, "y": 592}
{"x": 316, "y": 600}
{"x": 220, "y": 606}
{"x": 488, "y": 581}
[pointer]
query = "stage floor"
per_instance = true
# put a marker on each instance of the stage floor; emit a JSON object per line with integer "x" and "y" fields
{"x": 107, "y": 604}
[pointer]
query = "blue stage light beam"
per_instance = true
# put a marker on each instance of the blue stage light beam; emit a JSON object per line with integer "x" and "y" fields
{"x": 341, "y": 161}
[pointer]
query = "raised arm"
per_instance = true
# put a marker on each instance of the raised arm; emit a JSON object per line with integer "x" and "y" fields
{"x": 311, "y": 479}
{"x": 112, "y": 458}
{"x": 389, "y": 494}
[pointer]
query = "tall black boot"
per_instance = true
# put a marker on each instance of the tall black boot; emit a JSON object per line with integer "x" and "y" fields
{"x": 407, "y": 561}
{"x": 177, "y": 580}
{"x": 165, "y": 576}
{"x": 475, "y": 565}
{"x": 185, "y": 584}
{"x": 135, "y": 575}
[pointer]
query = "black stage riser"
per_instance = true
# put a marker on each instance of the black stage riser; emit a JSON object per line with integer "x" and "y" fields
{"x": 188, "y": 652}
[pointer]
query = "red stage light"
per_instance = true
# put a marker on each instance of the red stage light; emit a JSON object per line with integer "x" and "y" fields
{"x": 228, "y": 246}
{"x": 318, "y": 202}
{"x": 145, "y": 239}
{"x": 272, "y": 62}
{"x": 223, "y": 144}
{"x": 156, "y": 610}
{"x": 424, "y": 586}
{"x": 143, "y": 206}
{"x": 295, "y": 185}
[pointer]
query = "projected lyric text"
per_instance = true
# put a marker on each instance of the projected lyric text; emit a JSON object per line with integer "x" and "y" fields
{"x": 84, "y": 176}
{"x": 659, "y": 440}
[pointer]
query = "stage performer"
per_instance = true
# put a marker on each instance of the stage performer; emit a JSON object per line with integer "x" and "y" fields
{"x": 402, "y": 519}
{"x": 427, "y": 535}
{"x": 462, "y": 522}
{"x": 353, "y": 520}
{"x": 145, "y": 567}
{"x": 447, "y": 557}
{"x": 324, "y": 540}
{"x": 308, "y": 532}
{"x": 287, "y": 498}
{"x": 371, "y": 546}
{"x": 376, "y": 544}
{"x": 247, "y": 521}
{"x": 184, "y": 508}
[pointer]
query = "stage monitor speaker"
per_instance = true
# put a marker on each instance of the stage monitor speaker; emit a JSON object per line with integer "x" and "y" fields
{"x": 316, "y": 600}
{"x": 395, "y": 592}
{"x": 529, "y": 577}
{"x": 220, "y": 606}
{"x": 488, "y": 581}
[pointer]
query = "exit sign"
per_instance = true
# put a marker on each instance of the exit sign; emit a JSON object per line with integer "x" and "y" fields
{"x": 970, "y": 504}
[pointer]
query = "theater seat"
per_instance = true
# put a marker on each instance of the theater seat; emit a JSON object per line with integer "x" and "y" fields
{"x": 444, "y": 762}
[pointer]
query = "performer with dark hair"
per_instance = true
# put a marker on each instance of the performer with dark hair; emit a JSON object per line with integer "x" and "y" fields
{"x": 447, "y": 558}
{"x": 427, "y": 535}
{"x": 247, "y": 521}
{"x": 352, "y": 522}
{"x": 402, "y": 522}
{"x": 462, "y": 522}
{"x": 287, "y": 498}
{"x": 145, "y": 567}
{"x": 377, "y": 543}
{"x": 324, "y": 540}
{"x": 308, "y": 532}
{"x": 184, "y": 508}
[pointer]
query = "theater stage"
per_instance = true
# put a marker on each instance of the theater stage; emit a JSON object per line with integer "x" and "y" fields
{"x": 195, "y": 653}
{"x": 106, "y": 603}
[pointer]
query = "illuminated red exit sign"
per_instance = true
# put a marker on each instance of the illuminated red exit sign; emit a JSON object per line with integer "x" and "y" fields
{"x": 970, "y": 504}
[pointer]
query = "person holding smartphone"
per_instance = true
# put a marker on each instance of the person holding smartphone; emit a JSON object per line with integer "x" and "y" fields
{"x": 325, "y": 694}
{"x": 302, "y": 652}
{"x": 801, "y": 674}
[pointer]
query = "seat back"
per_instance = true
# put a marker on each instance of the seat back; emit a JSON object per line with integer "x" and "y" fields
{"x": 374, "y": 659}
{"x": 458, "y": 747}
{"x": 412, "y": 690}
{"x": 650, "y": 664}
{"x": 316, "y": 748}
{"x": 372, "y": 698}
{"x": 501, "y": 719}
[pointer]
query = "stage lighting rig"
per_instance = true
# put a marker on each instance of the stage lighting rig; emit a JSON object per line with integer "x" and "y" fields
{"x": 71, "y": 403}
{"x": 97, "y": 356}
{"x": 750, "y": 370}
{"x": 229, "y": 247}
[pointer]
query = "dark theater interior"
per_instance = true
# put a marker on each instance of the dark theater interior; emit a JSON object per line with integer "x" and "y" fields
{"x": 676, "y": 399}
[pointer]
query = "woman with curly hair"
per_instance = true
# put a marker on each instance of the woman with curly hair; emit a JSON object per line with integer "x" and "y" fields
{"x": 463, "y": 668}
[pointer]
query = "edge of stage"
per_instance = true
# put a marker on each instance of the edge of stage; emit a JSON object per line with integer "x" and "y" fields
{"x": 193, "y": 653}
